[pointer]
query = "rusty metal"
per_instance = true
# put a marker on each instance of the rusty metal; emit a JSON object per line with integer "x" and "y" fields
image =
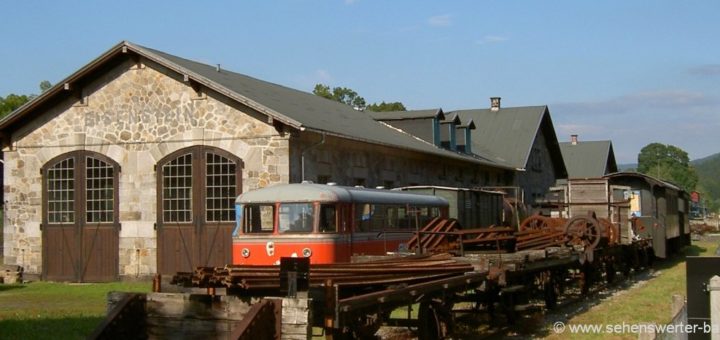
{"x": 156, "y": 283}
{"x": 583, "y": 231}
{"x": 391, "y": 271}
{"x": 534, "y": 222}
{"x": 263, "y": 321}
{"x": 125, "y": 321}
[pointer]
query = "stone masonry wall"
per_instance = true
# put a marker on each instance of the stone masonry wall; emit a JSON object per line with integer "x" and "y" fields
{"x": 135, "y": 114}
{"x": 345, "y": 162}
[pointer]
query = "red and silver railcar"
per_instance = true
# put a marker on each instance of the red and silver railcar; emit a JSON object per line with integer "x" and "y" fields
{"x": 327, "y": 223}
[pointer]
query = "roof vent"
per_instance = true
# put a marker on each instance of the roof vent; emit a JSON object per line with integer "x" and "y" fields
{"x": 574, "y": 139}
{"x": 217, "y": 67}
{"x": 307, "y": 182}
{"x": 494, "y": 103}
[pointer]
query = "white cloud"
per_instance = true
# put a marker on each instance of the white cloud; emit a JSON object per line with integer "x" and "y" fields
{"x": 440, "y": 20}
{"x": 491, "y": 39}
{"x": 706, "y": 70}
{"x": 323, "y": 76}
{"x": 306, "y": 82}
{"x": 687, "y": 119}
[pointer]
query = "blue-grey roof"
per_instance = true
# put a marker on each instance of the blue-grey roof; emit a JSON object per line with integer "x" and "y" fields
{"x": 409, "y": 114}
{"x": 591, "y": 159}
{"x": 507, "y": 135}
{"x": 307, "y": 192}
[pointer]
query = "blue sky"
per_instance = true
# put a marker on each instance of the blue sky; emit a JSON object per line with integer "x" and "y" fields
{"x": 634, "y": 72}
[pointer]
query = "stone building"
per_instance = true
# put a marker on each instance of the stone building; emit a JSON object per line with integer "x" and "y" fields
{"x": 130, "y": 166}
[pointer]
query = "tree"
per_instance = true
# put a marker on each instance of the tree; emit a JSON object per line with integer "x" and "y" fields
{"x": 44, "y": 86}
{"x": 385, "y": 107}
{"x": 340, "y": 94}
{"x": 350, "y": 97}
{"x": 668, "y": 162}
{"x": 13, "y": 101}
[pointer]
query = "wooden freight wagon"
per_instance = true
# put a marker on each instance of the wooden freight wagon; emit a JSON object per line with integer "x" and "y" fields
{"x": 473, "y": 208}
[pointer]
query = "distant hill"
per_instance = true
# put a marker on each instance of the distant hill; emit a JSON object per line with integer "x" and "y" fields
{"x": 627, "y": 166}
{"x": 708, "y": 169}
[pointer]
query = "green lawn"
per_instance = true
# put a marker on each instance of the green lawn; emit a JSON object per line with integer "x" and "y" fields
{"x": 42, "y": 310}
{"x": 646, "y": 303}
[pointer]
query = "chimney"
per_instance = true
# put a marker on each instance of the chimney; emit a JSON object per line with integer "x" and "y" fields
{"x": 494, "y": 103}
{"x": 573, "y": 139}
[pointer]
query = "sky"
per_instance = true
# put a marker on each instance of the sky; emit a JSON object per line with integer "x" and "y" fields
{"x": 633, "y": 72}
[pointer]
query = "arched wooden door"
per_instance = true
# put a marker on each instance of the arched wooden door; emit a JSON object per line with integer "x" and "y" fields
{"x": 80, "y": 228}
{"x": 197, "y": 187}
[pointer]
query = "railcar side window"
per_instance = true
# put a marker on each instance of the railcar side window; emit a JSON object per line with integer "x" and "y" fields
{"x": 328, "y": 220}
{"x": 258, "y": 218}
{"x": 363, "y": 216}
{"x": 296, "y": 218}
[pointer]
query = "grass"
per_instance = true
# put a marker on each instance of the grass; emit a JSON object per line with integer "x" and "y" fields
{"x": 42, "y": 310}
{"x": 646, "y": 303}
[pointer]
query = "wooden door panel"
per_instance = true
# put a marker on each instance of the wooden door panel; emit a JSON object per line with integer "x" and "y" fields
{"x": 176, "y": 247}
{"x": 100, "y": 254}
{"x": 216, "y": 245}
{"x": 61, "y": 253}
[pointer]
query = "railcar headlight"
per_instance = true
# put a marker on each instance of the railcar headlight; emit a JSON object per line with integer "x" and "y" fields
{"x": 245, "y": 252}
{"x": 270, "y": 248}
{"x": 307, "y": 252}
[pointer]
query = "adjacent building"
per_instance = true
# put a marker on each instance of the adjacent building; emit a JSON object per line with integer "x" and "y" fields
{"x": 588, "y": 159}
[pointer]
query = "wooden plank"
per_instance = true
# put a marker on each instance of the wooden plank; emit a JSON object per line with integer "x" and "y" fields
{"x": 296, "y": 312}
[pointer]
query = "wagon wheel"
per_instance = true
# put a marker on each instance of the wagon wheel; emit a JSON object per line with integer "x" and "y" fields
{"x": 534, "y": 222}
{"x": 583, "y": 230}
{"x": 363, "y": 325}
{"x": 609, "y": 230}
{"x": 435, "y": 320}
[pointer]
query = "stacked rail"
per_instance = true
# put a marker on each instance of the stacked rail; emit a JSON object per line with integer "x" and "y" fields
{"x": 405, "y": 270}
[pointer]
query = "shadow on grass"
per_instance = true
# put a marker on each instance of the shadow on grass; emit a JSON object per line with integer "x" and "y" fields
{"x": 675, "y": 259}
{"x": 4, "y": 288}
{"x": 46, "y": 328}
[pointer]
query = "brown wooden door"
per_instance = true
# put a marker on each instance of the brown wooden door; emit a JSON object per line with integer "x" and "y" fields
{"x": 197, "y": 189}
{"x": 80, "y": 222}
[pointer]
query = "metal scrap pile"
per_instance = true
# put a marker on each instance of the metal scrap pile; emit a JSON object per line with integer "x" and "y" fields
{"x": 400, "y": 270}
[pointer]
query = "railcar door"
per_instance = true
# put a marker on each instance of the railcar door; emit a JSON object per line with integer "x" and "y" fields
{"x": 197, "y": 188}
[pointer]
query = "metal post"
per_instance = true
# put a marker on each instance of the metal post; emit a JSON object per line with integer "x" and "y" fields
{"x": 714, "y": 289}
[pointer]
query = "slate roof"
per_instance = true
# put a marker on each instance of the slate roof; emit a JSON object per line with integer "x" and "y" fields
{"x": 410, "y": 114}
{"x": 507, "y": 135}
{"x": 589, "y": 159}
{"x": 297, "y": 109}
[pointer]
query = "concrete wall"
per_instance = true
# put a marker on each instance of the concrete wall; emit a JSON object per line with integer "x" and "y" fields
{"x": 135, "y": 114}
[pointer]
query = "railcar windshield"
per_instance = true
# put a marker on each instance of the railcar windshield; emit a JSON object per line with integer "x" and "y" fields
{"x": 296, "y": 218}
{"x": 258, "y": 218}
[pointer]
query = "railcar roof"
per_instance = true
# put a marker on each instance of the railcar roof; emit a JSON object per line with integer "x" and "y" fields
{"x": 331, "y": 193}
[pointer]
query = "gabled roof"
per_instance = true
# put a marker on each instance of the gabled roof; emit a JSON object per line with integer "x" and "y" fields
{"x": 411, "y": 114}
{"x": 297, "y": 109}
{"x": 507, "y": 135}
{"x": 592, "y": 159}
